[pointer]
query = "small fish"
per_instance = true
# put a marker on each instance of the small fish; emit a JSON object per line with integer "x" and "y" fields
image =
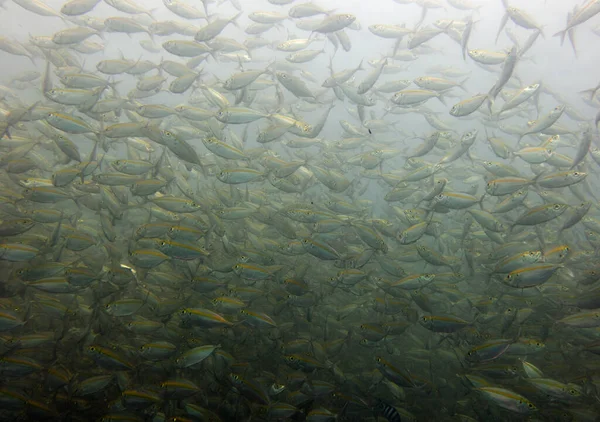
{"x": 507, "y": 399}
{"x": 195, "y": 356}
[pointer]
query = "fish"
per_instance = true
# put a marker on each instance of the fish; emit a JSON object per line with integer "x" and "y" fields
{"x": 78, "y": 7}
{"x": 334, "y": 23}
{"x": 223, "y": 211}
{"x": 544, "y": 122}
{"x": 583, "y": 148}
{"x": 467, "y": 106}
{"x": 581, "y": 14}
{"x": 508, "y": 68}
{"x": 520, "y": 97}
{"x": 507, "y": 399}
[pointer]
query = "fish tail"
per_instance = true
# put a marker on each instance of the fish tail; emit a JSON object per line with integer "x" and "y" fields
{"x": 490, "y": 101}
{"x": 441, "y": 99}
{"x": 591, "y": 92}
{"x": 562, "y": 35}
{"x": 396, "y": 46}
{"x": 461, "y": 84}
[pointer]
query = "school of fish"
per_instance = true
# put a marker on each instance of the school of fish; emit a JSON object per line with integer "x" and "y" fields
{"x": 243, "y": 222}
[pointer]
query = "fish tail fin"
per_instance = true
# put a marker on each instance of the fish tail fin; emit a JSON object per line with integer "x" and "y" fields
{"x": 520, "y": 139}
{"x": 235, "y": 19}
{"x": 591, "y": 92}
{"x": 480, "y": 202}
{"x": 461, "y": 84}
{"x": 396, "y": 46}
{"x": 562, "y": 35}
{"x": 441, "y": 99}
{"x": 490, "y": 102}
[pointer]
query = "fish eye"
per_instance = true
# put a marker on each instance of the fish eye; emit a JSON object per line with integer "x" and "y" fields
{"x": 530, "y": 405}
{"x": 92, "y": 348}
{"x": 557, "y": 207}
